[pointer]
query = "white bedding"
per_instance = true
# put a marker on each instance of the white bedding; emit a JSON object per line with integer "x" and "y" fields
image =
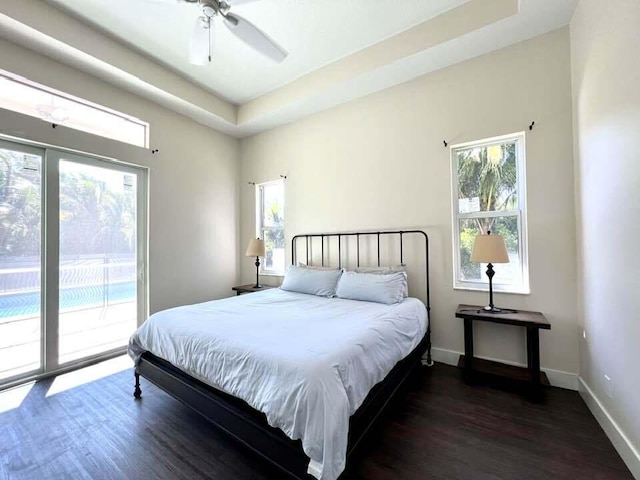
{"x": 307, "y": 362}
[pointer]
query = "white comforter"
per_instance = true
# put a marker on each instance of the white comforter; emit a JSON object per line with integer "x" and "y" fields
{"x": 306, "y": 362}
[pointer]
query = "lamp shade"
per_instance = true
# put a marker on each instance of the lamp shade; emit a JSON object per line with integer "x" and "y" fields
{"x": 255, "y": 248}
{"x": 489, "y": 249}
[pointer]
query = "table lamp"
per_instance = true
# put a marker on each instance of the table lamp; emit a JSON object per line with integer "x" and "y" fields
{"x": 256, "y": 249}
{"x": 490, "y": 249}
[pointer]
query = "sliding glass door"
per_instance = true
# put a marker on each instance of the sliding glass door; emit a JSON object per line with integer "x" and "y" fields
{"x": 79, "y": 293}
{"x": 20, "y": 260}
{"x": 98, "y": 293}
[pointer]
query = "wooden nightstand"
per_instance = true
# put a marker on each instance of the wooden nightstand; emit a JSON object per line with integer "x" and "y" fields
{"x": 240, "y": 289}
{"x": 473, "y": 368}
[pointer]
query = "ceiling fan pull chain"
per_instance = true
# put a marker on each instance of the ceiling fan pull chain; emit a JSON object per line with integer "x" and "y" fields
{"x": 210, "y": 27}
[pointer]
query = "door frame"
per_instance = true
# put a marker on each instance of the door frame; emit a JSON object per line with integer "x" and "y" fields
{"x": 49, "y": 256}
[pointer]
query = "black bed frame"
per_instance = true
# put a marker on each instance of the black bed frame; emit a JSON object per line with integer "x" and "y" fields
{"x": 250, "y": 426}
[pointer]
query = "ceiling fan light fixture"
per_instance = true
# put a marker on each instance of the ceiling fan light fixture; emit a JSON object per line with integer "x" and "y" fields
{"x": 200, "y": 44}
{"x": 209, "y": 10}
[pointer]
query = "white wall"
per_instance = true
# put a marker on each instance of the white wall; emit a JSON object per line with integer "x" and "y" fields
{"x": 379, "y": 162}
{"x": 605, "y": 41}
{"x": 193, "y": 180}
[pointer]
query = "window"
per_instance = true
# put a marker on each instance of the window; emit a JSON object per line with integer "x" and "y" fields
{"x": 270, "y": 225}
{"x": 489, "y": 195}
{"x": 23, "y": 96}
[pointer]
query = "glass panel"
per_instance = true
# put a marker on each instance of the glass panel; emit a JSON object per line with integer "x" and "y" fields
{"x": 98, "y": 297}
{"x": 508, "y": 273}
{"x": 487, "y": 178}
{"x": 20, "y": 220}
{"x": 29, "y": 98}
{"x": 273, "y": 205}
{"x": 274, "y": 246}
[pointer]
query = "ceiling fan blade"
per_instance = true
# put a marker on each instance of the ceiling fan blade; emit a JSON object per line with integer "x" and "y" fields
{"x": 200, "y": 43}
{"x": 254, "y": 37}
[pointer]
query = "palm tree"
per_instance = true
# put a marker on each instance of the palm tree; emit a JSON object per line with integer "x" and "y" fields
{"x": 79, "y": 212}
{"x": 490, "y": 175}
{"x": 20, "y": 198}
{"x": 117, "y": 222}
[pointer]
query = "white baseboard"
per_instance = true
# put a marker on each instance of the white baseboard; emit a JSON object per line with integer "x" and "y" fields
{"x": 448, "y": 357}
{"x": 557, "y": 378}
{"x": 621, "y": 442}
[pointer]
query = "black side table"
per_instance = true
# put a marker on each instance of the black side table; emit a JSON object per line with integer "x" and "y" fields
{"x": 240, "y": 289}
{"x": 473, "y": 368}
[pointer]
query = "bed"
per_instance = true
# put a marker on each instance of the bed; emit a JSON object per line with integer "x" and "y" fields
{"x": 298, "y": 378}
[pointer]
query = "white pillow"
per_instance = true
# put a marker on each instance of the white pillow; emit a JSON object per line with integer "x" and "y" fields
{"x": 312, "y": 281}
{"x": 372, "y": 287}
{"x": 386, "y": 271}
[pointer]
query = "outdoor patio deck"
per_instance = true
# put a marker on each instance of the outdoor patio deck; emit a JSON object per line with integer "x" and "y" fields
{"x": 83, "y": 332}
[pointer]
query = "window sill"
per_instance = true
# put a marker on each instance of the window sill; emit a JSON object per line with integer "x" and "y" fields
{"x": 272, "y": 274}
{"x": 485, "y": 289}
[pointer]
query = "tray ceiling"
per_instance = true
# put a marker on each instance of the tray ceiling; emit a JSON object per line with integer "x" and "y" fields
{"x": 316, "y": 32}
{"x": 340, "y": 49}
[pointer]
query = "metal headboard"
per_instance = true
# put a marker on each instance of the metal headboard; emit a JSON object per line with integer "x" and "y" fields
{"x": 400, "y": 233}
{"x": 358, "y": 235}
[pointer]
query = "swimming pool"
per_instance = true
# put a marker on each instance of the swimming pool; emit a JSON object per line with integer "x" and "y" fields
{"x": 71, "y": 298}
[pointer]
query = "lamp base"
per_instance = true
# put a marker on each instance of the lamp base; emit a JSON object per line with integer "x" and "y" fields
{"x": 491, "y": 309}
{"x": 257, "y": 264}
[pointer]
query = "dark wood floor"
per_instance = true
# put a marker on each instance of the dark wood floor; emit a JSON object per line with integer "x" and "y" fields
{"x": 440, "y": 429}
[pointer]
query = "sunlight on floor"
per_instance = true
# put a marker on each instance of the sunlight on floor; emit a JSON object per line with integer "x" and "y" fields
{"x": 13, "y": 397}
{"x": 90, "y": 374}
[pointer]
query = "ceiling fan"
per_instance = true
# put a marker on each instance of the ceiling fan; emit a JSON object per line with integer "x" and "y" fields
{"x": 200, "y": 44}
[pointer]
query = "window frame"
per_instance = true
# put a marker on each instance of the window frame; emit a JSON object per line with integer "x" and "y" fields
{"x": 523, "y": 287}
{"x": 260, "y": 228}
{"x": 25, "y": 82}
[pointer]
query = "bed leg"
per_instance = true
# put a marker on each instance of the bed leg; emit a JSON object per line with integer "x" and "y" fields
{"x": 428, "y": 361}
{"x": 137, "y": 393}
